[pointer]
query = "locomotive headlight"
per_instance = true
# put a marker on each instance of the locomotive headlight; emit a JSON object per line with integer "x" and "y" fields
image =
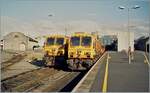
{"x": 46, "y": 53}
{"x": 71, "y": 54}
{"x": 79, "y": 52}
{"x": 60, "y": 52}
{"x": 88, "y": 54}
{"x": 53, "y": 50}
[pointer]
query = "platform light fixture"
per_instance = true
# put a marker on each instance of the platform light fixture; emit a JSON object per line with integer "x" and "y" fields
{"x": 122, "y": 8}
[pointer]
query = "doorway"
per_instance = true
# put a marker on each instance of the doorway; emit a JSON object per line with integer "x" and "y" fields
{"x": 22, "y": 47}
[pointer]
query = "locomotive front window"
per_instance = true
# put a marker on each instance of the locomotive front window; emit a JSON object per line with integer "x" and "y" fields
{"x": 60, "y": 41}
{"x": 50, "y": 41}
{"x": 75, "y": 41}
{"x": 86, "y": 41}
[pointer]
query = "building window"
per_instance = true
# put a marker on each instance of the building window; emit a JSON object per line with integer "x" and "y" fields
{"x": 16, "y": 36}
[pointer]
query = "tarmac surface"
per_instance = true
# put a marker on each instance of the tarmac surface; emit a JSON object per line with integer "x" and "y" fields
{"x": 122, "y": 76}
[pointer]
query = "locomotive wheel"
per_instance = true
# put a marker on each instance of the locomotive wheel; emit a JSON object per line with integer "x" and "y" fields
{"x": 89, "y": 63}
{"x": 84, "y": 64}
{"x": 52, "y": 61}
{"x": 77, "y": 63}
{"x": 71, "y": 64}
{"x": 74, "y": 64}
{"x": 49, "y": 61}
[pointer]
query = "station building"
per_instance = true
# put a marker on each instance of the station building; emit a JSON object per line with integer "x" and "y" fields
{"x": 108, "y": 39}
{"x": 147, "y": 45}
{"x": 110, "y": 42}
{"x": 123, "y": 39}
{"x": 142, "y": 44}
{"x": 18, "y": 41}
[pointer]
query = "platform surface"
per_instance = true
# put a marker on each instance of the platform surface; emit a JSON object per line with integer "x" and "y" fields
{"x": 122, "y": 76}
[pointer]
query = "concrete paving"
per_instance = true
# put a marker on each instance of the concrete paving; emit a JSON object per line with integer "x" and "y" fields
{"x": 18, "y": 68}
{"x": 5, "y": 55}
{"x": 122, "y": 76}
{"x": 21, "y": 66}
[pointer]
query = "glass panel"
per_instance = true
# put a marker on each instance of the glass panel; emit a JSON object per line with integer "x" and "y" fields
{"x": 86, "y": 41}
{"x": 50, "y": 41}
{"x": 75, "y": 41}
{"x": 60, "y": 41}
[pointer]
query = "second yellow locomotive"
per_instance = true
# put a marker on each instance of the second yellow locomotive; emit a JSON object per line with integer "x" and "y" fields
{"x": 83, "y": 49}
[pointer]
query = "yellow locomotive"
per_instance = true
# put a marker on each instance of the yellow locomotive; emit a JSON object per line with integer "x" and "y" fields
{"x": 55, "y": 45}
{"x": 83, "y": 49}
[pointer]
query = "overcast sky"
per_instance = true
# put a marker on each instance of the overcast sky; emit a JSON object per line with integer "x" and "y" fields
{"x": 31, "y": 16}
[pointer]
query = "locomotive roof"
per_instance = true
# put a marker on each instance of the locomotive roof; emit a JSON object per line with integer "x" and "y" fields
{"x": 81, "y": 34}
{"x": 55, "y": 36}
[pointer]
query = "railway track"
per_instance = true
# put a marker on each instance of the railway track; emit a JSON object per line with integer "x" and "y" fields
{"x": 25, "y": 81}
{"x": 13, "y": 60}
{"x": 41, "y": 80}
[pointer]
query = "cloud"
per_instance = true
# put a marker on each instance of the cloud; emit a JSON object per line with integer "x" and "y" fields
{"x": 92, "y": 14}
{"x": 9, "y": 24}
{"x": 45, "y": 27}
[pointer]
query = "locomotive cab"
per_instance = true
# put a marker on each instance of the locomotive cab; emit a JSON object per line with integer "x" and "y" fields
{"x": 81, "y": 52}
{"x": 55, "y": 45}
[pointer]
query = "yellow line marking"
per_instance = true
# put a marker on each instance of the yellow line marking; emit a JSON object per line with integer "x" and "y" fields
{"x": 104, "y": 89}
{"x": 146, "y": 60}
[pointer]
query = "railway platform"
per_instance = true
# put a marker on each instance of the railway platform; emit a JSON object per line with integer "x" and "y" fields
{"x": 113, "y": 73}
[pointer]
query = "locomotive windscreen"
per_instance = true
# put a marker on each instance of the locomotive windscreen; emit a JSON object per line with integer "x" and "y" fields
{"x": 60, "y": 41}
{"x": 86, "y": 41}
{"x": 75, "y": 41}
{"x": 50, "y": 41}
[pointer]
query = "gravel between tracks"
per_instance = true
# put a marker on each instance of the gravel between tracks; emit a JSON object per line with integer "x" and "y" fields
{"x": 37, "y": 80}
{"x": 14, "y": 83}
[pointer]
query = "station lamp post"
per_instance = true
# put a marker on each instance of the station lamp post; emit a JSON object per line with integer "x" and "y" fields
{"x": 128, "y": 9}
{"x": 66, "y": 29}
